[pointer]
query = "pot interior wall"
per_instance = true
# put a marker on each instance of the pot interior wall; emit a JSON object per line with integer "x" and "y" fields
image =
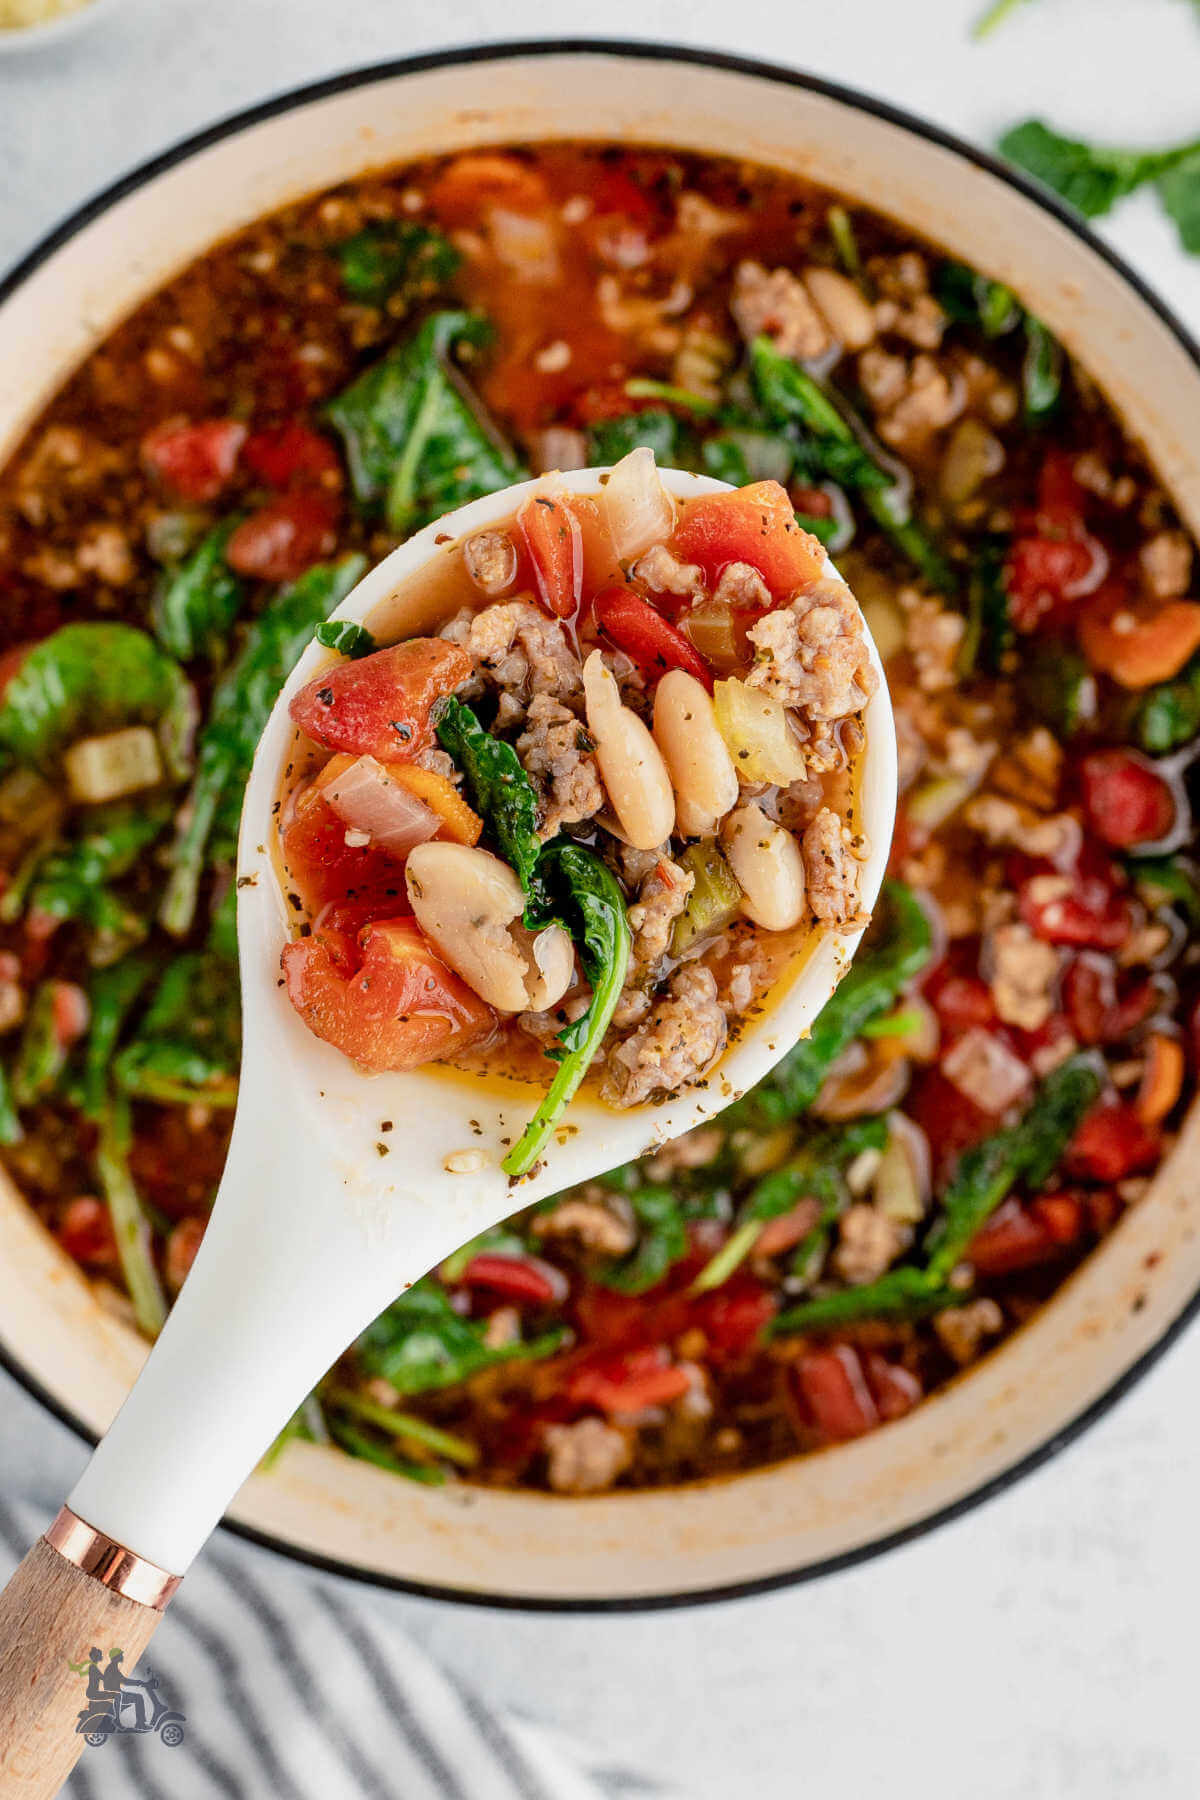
{"x": 1128, "y": 1294}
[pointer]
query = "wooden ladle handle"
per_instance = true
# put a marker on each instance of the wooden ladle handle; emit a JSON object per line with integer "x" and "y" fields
{"x": 52, "y": 1614}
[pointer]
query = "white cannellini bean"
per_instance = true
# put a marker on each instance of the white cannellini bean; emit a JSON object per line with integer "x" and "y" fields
{"x": 631, "y": 766}
{"x": 469, "y": 903}
{"x": 768, "y": 866}
{"x": 843, "y": 308}
{"x": 697, "y": 759}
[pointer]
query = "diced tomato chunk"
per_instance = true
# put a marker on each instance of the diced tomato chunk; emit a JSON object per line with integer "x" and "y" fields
{"x": 1013, "y": 1238}
{"x": 521, "y": 1279}
{"x": 960, "y": 1001}
{"x": 1125, "y": 800}
{"x": 755, "y": 525}
{"x": 894, "y": 1389}
{"x": 834, "y": 1391}
{"x": 380, "y": 705}
{"x": 607, "y": 1317}
{"x": 281, "y": 540}
{"x": 951, "y": 1122}
{"x": 734, "y": 1317}
{"x": 553, "y": 541}
{"x": 1138, "y": 642}
{"x": 1101, "y": 1012}
{"x": 1086, "y": 909}
{"x": 628, "y": 1381}
{"x": 640, "y": 629}
{"x": 86, "y": 1233}
{"x": 402, "y": 1007}
{"x": 1061, "y": 1214}
{"x": 195, "y": 461}
{"x": 290, "y": 455}
{"x": 1111, "y": 1143}
{"x": 322, "y": 867}
{"x": 1042, "y": 574}
{"x": 469, "y": 187}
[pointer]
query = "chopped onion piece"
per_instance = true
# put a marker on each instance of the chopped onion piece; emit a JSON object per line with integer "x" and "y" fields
{"x": 525, "y": 244}
{"x": 637, "y": 506}
{"x": 368, "y": 799}
{"x": 758, "y": 734}
{"x": 108, "y": 767}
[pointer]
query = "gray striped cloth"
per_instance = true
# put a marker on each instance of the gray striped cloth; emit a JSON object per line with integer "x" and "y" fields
{"x": 293, "y": 1691}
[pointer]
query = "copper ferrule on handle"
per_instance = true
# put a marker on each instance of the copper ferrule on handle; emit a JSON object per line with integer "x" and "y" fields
{"x": 110, "y": 1563}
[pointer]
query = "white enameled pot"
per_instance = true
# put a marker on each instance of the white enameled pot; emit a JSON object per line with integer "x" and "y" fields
{"x": 1128, "y": 1299}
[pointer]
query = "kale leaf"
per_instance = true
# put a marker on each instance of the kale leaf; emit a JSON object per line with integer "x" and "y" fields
{"x": 421, "y": 1343}
{"x": 188, "y": 1044}
{"x": 197, "y": 603}
{"x": 397, "y": 261}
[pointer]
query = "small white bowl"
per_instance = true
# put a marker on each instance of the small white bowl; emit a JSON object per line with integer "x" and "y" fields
{"x": 15, "y": 39}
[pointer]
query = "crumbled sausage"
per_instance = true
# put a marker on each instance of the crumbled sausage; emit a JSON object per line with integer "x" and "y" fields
{"x": 962, "y": 1329}
{"x": 1056, "y": 837}
{"x": 868, "y": 1243}
{"x": 1023, "y": 973}
{"x": 1165, "y": 562}
{"x": 490, "y": 559}
{"x": 586, "y": 1457}
{"x": 831, "y": 870}
{"x": 683, "y": 1038}
{"x": 933, "y": 635}
{"x": 812, "y": 655}
{"x": 519, "y": 651}
{"x": 665, "y": 574}
{"x": 663, "y": 889}
{"x": 913, "y": 400}
{"x": 593, "y": 1223}
{"x": 905, "y": 306}
{"x": 104, "y": 550}
{"x": 741, "y": 585}
{"x": 799, "y": 804}
{"x": 557, "y": 752}
{"x": 775, "y": 304}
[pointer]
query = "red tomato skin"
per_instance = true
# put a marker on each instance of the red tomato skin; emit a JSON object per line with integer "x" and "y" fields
{"x": 86, "y": 1233}
{"x": 1125, "y": 799}
{"x": 195, "y": 461}
{"x": 755, "y": 525}
{"x": 734, "y": 1317}
{"x": 553, "y": 542}
{"x": 291, "y": 455}
{"x": 380, "y": 705}
{"x": 403, "y": 1007}
{"x": 894, "y": 1389}
{"x": 960, "y": 1001}
{"x": 521, "y": 1279}
{"x": 281, "y": 540}
{"x": 1111, "y": 1143}
{"x": 835, "y": 1394}
{"x": 1102, "y": 1010}
{"x": 627, "y": 1381}
{"x": 1040, "y": 575}
{"x": 1092, "y": 914}
{"x": 653, "y": 642}
{"x": 1014, "y": 1238}
{"x": 322, "y": 868}
{"x": 950, "y": 1121}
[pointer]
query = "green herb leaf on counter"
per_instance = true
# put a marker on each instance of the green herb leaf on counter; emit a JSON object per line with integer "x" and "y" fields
{"x": 196, "y": 604}
{"x": 241, "y": 706}
{"x": 1094, "y": 177}
{"x": 417, "y": 442}
{"x": 397, "y": 261}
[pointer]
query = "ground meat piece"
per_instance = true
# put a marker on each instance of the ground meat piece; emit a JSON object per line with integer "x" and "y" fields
{"x": 983, "y": 1068}
{"x": 933, "y": 635}
{"x": 905, "y": 306}
{"x": 911, "y": 400}
{"x": 683, "y": 1038}
{"x": 962, "y": 1329}
{"x": 1165, "y": 562}
{"x": 438, "y": 763}
{"x": 63, "y": 458}
{"x": 868, "y": 1243}
{"x": 520, "y": 651}
{"x": 593, "y": 1223}
{"x": 741, "y": 585}
{"x": 1023, "y": 972}
{"x": 831, "y": 870}
{"x": 544, "y": 1027}
{"x": 798, "y": 805}
{"x": 665, "y": 574}
{"x": 775, "y": 304}
{"x": 812, "y": 655}
{"x": 663, "y": 888}
{"x": 1056, "y": 837}
{"x": 882, "y": 376}
{"x": 104, "y": 550}
{"x": 490, "y": 559}
{"x": 557, "y": 752}
{"x": 694, "y": 1150}
{"x": 586, "y": 1457}
{"x": 54, "y": 568}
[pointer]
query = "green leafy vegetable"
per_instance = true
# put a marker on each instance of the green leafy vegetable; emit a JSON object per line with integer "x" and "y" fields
{"x": 10, "y": 1123}
{"x": 1094, "y": 177}
{"x": 868, "y": 989}
{"x": 641, "y": 387}
{"x": 903, "y": 1293}
{"x": 1028, "y": 1151}
{"x": 662, "y": 1241}
{"x": 399, "y": 261}
{"x": 1041, "y": 371}
{"x": 1169, "y": 715}
{"x": 237, "y": 718}
{"x": 130, "y": 1225}
{"x": 1169, "y": 881}
{"x": 611, "y": 439}
{"x": 403, "y": 1425}
{"x": 73, "y": 882}
{"x": 973, "y": 299}
{"x": 347, "y": 638}
{"x": 989, "y": 634}
{"x": 89, "y": 678}
{"x": 369, "y": 1449}
{"x": 421, "y": 1343}
{"x": 188, "y": 1044}
{"x": 416, "y": 440}
{"x": 197, "y": 603}
{"x": 1058, "y": 685}
{"x": 841, "y": 230}
{"x": 498, "y": 787}
{"x": 744, "y": 453}
{"x": 112, "y": 994}
{"x": 41, "y": 1054}
{"x": 590, "y": 899}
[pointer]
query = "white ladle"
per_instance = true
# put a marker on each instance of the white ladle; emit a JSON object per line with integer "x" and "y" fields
{"x": 340, "y": 1190}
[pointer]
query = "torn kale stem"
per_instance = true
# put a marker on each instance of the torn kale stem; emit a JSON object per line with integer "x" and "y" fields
{"x": 900, "y": 1294}
{"x": 595, "y": 907}
{"x": 130, "y": 1225}
{"x": 403, "y": 1425}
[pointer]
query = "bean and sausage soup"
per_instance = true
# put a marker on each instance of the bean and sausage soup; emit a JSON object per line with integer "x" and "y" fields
{"x": 1006, "y": 1063}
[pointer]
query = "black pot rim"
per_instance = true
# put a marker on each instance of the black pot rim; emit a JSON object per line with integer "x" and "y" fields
{"x": 345, "y": 82}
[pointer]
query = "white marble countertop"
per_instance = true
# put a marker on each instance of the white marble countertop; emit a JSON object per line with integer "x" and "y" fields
{"x": 1038, "y": 1647}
